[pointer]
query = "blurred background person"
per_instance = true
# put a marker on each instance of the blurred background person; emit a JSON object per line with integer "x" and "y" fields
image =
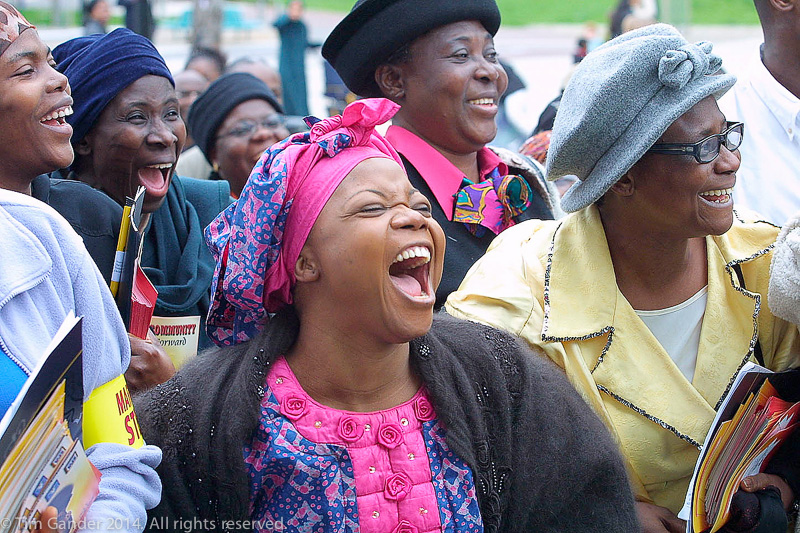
{"x": 139, "y": 17}
{"x": 622, "y": 10}
{"x": 189, "y": 84}
{"x": 234, "y": 121}
{"x": 632, "y": 14}
{"x": 96, "y": 16}
{"x": 538, "y": 144}
{"x": 767, "y": 99}
{"x": 292, "y": 60}
{"x": 262, "y": 70}
{"x": 209, "y": 62}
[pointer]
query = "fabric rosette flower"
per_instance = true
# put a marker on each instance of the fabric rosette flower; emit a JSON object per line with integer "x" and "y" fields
{"x": 390, "y": 435}
{"x": 397, "y": 486}
{"x": 349, "y": 430}
{"x": 405, "y": 527}
{"x": 293, "y": 407}
{"x": 424, "y": 410}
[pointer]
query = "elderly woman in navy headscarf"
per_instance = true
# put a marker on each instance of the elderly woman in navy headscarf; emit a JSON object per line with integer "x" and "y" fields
{"x": 128, "y": 133}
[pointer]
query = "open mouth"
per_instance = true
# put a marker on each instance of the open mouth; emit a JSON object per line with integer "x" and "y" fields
{"x": 57, "y": 117}
{"x": 156, "y": 178}
{"x": 409, "y": 272}
{"x": 717, "y": 196}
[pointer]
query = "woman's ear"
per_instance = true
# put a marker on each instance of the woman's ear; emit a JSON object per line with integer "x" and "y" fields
{"x": 782, "y": 5}
{"x": 84, "y": 146}
{"x": 305, "y": 269}
{"x": 390, "y": 81}
{"x": 625, "y": 186}
{"x": 212, "y": 157}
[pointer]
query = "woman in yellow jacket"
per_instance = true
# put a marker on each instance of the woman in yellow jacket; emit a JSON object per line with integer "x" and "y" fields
{"x": 650, "y": 295}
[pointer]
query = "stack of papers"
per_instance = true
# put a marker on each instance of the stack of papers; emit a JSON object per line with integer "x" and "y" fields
{"x": 750, "y": 427}
{"x": 47, "y": 467}
{"x": 43, "y": 461}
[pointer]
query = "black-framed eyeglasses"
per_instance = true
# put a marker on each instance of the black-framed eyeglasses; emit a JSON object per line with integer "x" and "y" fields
{"x": 705, "y": 150}
{"x": 247, "y": 127}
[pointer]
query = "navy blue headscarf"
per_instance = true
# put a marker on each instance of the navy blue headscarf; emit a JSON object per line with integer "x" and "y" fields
{"x": 99, "y": 67}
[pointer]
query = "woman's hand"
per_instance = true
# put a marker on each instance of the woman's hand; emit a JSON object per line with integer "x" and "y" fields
{"x": 150, "y": 364}
{"x": 655, "y": 519}
{"x": 47, "y": 521}
{"x": 760, "y": 505}
{"x": 762, "y": 481}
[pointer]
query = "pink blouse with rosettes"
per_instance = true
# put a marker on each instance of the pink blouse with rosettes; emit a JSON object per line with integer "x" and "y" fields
{"x": 390, "y": 462}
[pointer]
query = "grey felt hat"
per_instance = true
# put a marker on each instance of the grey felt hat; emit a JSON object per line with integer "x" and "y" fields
{"x": 620, "y": 100}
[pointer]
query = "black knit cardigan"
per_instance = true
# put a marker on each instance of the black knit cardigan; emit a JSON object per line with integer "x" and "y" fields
{"x": 542, "y": 461}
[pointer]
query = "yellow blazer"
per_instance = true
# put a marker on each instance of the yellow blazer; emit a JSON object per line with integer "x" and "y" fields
{"x": 552, "y": 283}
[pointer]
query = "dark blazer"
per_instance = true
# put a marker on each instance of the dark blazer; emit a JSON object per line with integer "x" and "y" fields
{"x": 541, "y": 460}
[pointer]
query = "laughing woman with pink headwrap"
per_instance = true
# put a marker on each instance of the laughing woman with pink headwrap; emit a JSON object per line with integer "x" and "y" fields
{"x": 337, "y": 402}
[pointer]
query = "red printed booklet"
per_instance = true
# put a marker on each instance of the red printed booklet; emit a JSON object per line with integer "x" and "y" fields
{"x": 135, "y": 294}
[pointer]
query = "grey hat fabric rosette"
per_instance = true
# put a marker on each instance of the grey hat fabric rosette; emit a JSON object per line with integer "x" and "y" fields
{"x": 620, "y": 100}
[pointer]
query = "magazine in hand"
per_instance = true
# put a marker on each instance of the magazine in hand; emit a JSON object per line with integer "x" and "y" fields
{"x": 64, "y": 362}
{"x": 759, "y": 413}
{"x": 43, "y": 461}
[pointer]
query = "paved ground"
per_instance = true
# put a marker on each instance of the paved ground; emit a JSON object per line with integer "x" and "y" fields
{"x": 541, "y": 55}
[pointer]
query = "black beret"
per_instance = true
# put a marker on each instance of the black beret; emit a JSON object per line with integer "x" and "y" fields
{"x": 375, "y": 29}
{"x": 211, "y": 108}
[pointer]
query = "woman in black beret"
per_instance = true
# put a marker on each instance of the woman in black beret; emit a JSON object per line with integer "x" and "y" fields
{"x": 233, "y": 122}
{"x": 438, "y": 61}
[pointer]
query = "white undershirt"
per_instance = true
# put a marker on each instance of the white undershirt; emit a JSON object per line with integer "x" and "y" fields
{"x": 677, "y": 329}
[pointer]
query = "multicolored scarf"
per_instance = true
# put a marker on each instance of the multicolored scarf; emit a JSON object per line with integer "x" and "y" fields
{"x": 12, "y": 23}
{"x": 493, "y": 203}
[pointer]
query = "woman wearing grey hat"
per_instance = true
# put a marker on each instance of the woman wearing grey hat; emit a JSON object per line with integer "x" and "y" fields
{"x": 437, "y": 60}
{"x": 650, "y": 295}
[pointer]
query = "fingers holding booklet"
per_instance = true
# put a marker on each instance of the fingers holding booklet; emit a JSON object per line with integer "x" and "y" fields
{"x": 48, "y": 522}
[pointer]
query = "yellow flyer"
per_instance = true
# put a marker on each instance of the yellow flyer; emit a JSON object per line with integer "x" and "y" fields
{"x": 108, "y": 416}
{"x": 178, "y": 335}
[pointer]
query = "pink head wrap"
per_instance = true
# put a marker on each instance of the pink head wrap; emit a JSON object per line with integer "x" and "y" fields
{"x": 12, "y": 23}
{"x": 257, "y": 239}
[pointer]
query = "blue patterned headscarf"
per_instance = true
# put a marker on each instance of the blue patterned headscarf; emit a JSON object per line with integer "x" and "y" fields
{"x": 99, "y": 67}
{"x": 257, "y": 239}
